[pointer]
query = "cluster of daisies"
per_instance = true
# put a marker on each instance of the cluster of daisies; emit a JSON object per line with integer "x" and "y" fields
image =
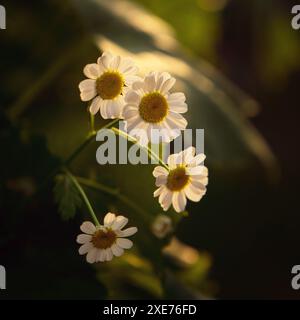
{"x": 114, "y": 90}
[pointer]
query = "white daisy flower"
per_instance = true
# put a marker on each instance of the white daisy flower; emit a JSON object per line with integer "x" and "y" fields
{"x": 150, "y": 105}
{"x": 101, "y": 243}
{"x": 107, "y": 83}
{"x": 186, "y": 178}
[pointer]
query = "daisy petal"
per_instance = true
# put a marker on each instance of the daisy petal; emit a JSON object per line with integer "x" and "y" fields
{"x": 172, "y": 160}
{"x": 83, "y": 238}
{"x": 109, "y": 254}
{"x": 188, "y": 154}
{"x": 193, "y": 193}
{"x": 159, "y": 170}
{"x": 199, "y": 159}
{"x": 158, "y": 191}
{"x": 88, "y": 227}
{"x": 198, "y": 170}
{"x": 179, "y": 108}
{"x": 127, "y": 232}
{"x": 150, "y": 82}
{"x": 130, "y": 79}
{"x": 131, "y": 71}
{"x": 130, "y": 112}
{"x": 115, "y": 62}
{"x": 132, "y": 97}
{"x": 116, "y": 250}
{"x": 87, "y": 85}
{"x": 167, "y": 85}
{"x": 203, "y": 176}
{"x": 199, "y": 183}
{"x": 92, "y": 255}
{"x": 105, "y": 60}
{"x": 137, "y": 85}
{"x": 133, "y": 122}
{"x": 127, "y": 66}
{"x": 114, "y": 108}
{"x": 161, "y": 180}
{"x": 176, "y": 120}
{"x": 162, "y": 77}
{"x": 85, "y": 248}
{"x": 179, "y": 201}
{"x": 109, "y": 219}
{"x": 119, "y": 223}
{"x": 204, "y": 181}
{"x": 95, "y": 105}
{"x": 176, "y": 97}
{"x": 124, "y": 243}
{"x": 165, "y": 199}
{"x": 92, "y": 71}
{"x": 104, "y": 109}
{"x": 88, "y": 95}
{"x": 101, "y": 255}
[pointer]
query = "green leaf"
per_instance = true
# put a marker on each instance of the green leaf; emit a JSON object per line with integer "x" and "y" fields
{"x": 66, "y": 196}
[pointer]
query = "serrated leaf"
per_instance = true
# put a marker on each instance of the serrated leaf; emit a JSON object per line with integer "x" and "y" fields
{"x": 66, "y": 196}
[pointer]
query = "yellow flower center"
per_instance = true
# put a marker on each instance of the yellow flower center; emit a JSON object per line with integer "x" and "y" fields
{"x": 103, "y": 239}
{"x": 177, "y": 179}
{"x": 153, "y": 107}
{"x": 109, "y": 85}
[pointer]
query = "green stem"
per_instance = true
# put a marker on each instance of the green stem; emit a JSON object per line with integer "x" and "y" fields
{"x": 114, "y": 192}
{"x": 84, "y": 196}
{"x": 97, "y": 185}
{"x": 87, "y": 141}
{"x": 92, "y": 124}
{"x": 153, "y": 155}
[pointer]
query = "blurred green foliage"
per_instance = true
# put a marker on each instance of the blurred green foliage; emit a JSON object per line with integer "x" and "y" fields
{"x": 197, "y": 23}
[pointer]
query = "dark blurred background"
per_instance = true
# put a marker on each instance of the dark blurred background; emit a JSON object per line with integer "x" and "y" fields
{"x": 248, "y": 222}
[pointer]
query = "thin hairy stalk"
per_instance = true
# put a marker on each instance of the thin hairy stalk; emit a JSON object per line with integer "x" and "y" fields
{"x": 152, "y": 154}
{"x": 114, "y": 192}
{"x": 83, "y": 195}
